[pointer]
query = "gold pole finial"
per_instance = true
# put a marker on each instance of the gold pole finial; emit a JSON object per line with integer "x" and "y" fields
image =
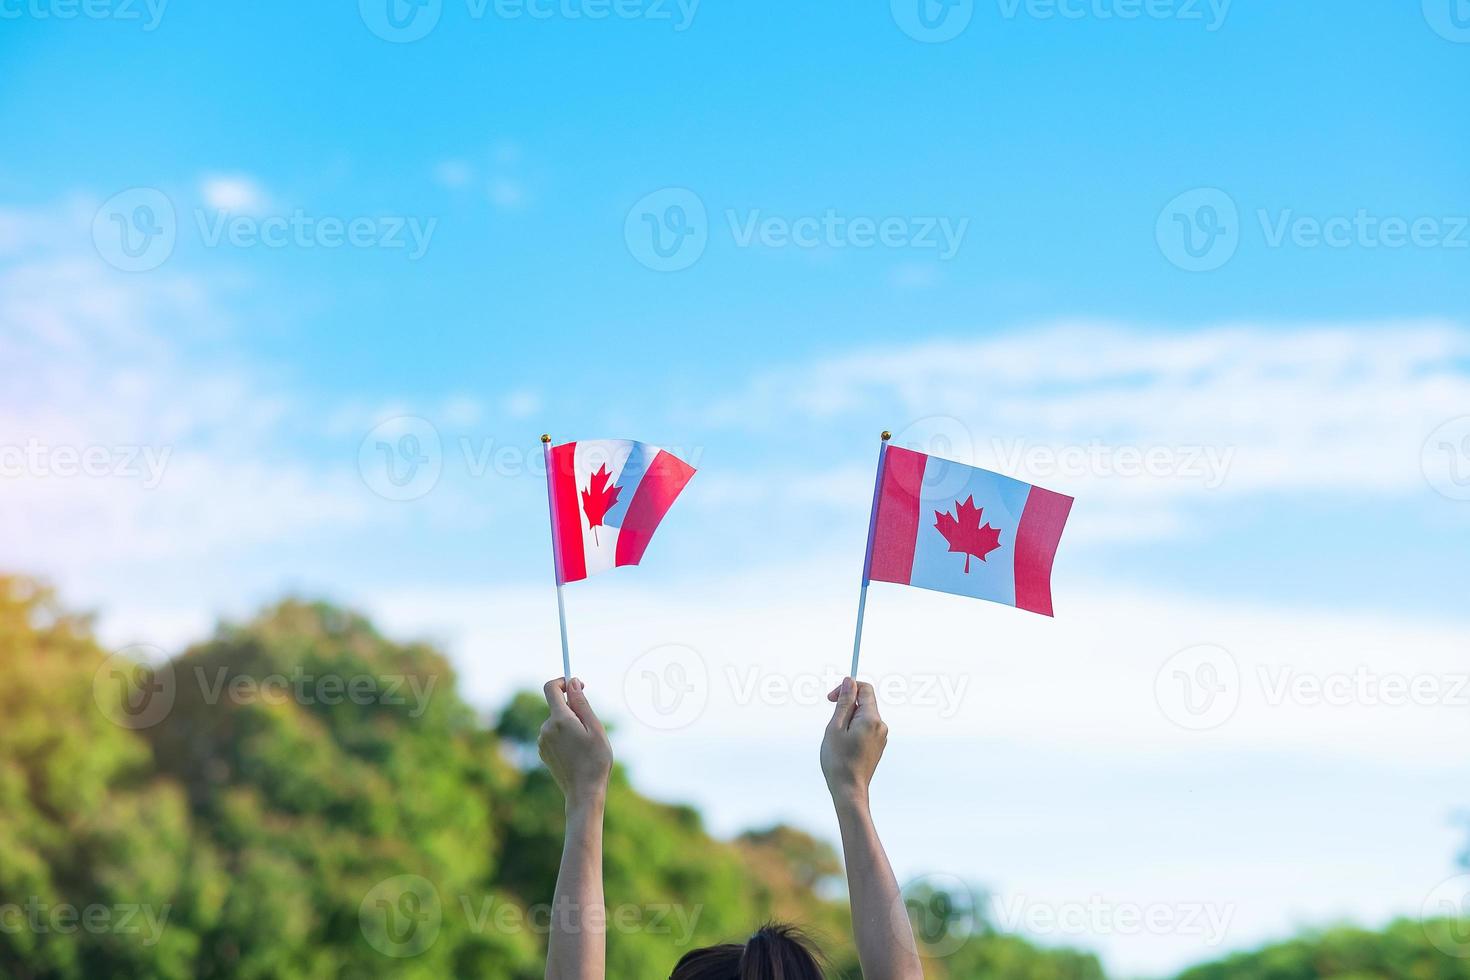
{"x": 887, "y": 435}
{"x": 545, "y": 437}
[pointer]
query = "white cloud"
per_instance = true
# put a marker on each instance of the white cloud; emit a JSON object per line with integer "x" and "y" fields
{"x": 1228, "y": 410}
{"x": 502, "y": 187}
{"x": 522, "y": 403}
{"x": 453, "y": 174}
{"x": 913, "y": 275}
{"x": 506, "y": 193}
{"x": 233, "y": 192}
{"x": 121, "y": 446}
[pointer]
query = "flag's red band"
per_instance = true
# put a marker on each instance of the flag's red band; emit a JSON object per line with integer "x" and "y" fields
{"x": 897, "y": 518}
{"x": 1036, "y": 545}
{"x": 568, "y": 517}
{"x": 666, "y": 477}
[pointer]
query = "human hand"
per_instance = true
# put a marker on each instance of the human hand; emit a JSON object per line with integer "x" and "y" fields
{"x": 573, "y": 744}
{"x": 854, "y": 742}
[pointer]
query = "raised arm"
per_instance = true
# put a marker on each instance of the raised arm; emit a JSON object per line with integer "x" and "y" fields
{"x": 575, "y": 748}
{"x": 851, "y": 749}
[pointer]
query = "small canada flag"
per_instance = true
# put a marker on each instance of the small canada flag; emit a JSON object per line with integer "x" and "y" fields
{"x": 607, "y": 498}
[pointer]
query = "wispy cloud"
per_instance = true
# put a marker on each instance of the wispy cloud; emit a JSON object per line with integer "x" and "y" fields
{"x": 500, "y": 176}
{"x": 1341, "y": 408}
{"x": 233, "y": 192}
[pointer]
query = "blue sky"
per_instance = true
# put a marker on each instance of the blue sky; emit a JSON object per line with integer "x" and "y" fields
{"x": 1306, "y": 396}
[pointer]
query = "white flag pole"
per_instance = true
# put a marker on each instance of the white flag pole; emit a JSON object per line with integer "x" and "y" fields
{"x": 561, "y": 606}
{"x": 857, "y": 640}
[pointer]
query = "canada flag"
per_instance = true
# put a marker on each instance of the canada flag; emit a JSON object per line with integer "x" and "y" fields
{"x": 941, "y": 525}
{"x": 607, "y": 498}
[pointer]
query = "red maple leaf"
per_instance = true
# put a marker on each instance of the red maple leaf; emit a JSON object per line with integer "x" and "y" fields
{"x": 598, "y": 499}
{"x": 964, "y": 533}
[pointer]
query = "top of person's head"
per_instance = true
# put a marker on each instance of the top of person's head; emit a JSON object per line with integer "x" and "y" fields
{"x": 775, "y": 952}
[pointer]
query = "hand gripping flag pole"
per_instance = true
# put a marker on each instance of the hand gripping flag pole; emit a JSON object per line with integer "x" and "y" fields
{"x": 857, "y": 640}
{"x": 561, "y": 606}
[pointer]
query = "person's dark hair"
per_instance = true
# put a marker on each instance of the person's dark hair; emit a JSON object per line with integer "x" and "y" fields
{"x": 775, "y": 952}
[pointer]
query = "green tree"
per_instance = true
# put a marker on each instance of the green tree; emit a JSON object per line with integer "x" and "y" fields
{"x": 97, "y": 867}
{"x": 1431, "y": 950}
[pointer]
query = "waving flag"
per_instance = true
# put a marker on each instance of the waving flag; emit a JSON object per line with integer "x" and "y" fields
{"x": 607, "y": 498}
{"x": 938, "y": 524}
